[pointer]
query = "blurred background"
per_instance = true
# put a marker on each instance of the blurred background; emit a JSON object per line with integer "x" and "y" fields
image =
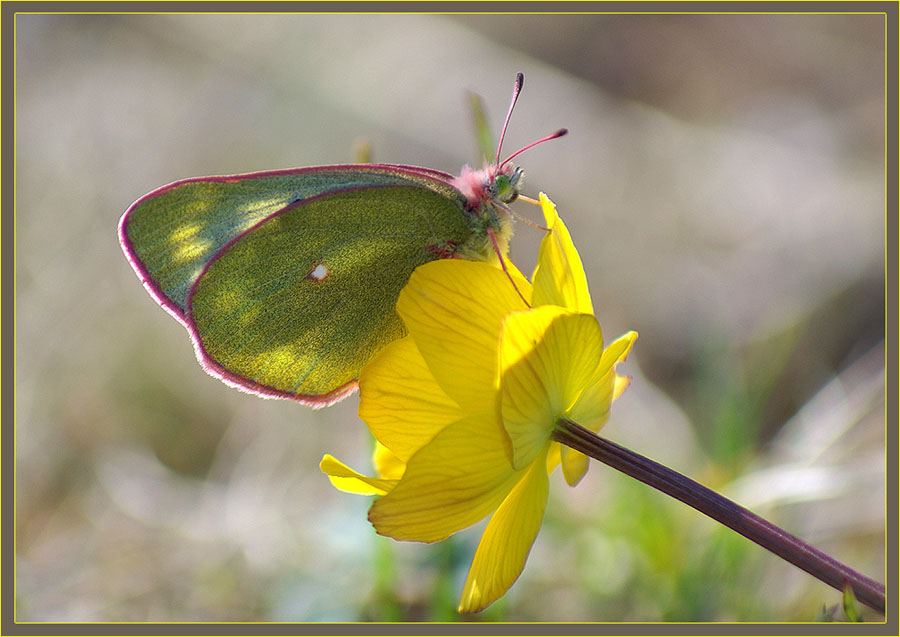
{"x": 723, "y": 179}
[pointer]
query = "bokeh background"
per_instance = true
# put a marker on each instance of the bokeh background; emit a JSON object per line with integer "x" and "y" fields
{"x": 723, "y": 178}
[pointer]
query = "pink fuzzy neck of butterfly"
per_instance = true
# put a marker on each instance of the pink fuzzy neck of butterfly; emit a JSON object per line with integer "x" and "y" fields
{"x": 473, "y": 183}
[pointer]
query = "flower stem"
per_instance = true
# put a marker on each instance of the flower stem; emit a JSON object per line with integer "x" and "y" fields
{"x": 770, "y": 537}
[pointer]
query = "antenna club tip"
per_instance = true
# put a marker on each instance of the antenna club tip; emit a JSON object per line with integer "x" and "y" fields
{"x": 561, "y": 132}
{"x": 520, "y": 80}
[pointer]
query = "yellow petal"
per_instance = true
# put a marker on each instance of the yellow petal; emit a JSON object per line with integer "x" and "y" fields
{"x": 453, "y": 309}
{"x": 591, "y": 410}
{"x": 618, "y": 350}
{"x": 574, "y": 465}
{"x": 451, "y": 483}
{"x": 621, "y": 384}
{"x": 553, "y": 456}
{"x": 401, "y": 401}
{"x": 387, "y": 463}
{"x": 346, "y": 479}
{"x": 507, "y": 540}
{"x": 547, "y": 357}
{"x": 559, "y": 277}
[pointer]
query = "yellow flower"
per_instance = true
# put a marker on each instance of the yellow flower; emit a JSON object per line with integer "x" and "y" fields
{"x": 463, "y": 408}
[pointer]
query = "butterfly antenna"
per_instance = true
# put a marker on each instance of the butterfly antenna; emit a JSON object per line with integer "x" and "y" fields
{"x": 493, "y": 237}
{"x": 520, "y": 81}
{"x": 556, "y": 135}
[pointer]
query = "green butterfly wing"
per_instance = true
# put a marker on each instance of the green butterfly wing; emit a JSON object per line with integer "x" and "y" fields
{"x": 287, "y": 280}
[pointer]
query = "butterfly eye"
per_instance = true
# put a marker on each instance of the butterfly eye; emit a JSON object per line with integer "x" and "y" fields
{"x": 506, "y": 187}
{"x": 501, "y": 186}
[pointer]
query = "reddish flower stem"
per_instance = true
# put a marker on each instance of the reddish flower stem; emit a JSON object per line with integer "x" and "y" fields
{"x": 770, "y": 537}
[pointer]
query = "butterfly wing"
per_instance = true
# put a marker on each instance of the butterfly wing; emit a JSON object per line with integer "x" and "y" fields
{"x": 287, "y": 281}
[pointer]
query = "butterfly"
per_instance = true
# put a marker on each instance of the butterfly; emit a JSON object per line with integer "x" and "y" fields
{"x": 286, "y": 280}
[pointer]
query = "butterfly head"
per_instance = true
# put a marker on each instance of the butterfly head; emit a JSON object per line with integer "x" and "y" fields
{"x": 505, "y": 185}
{"x": 492, "y": 184}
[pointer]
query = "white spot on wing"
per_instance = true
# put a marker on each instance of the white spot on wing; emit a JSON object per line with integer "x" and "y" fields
{"x": 318, "y": 273}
